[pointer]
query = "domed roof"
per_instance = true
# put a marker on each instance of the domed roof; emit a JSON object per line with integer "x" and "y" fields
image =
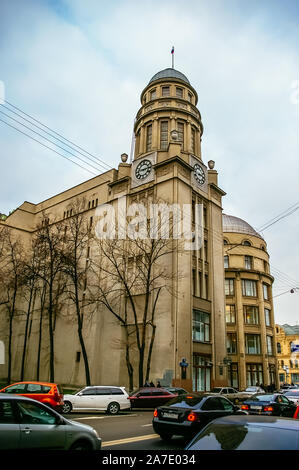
{"x": 236, "y": 225}
{"x": 169, "y": 73}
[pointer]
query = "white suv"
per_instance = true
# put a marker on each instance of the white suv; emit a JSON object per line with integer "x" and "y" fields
{"x": 100, "y": 398}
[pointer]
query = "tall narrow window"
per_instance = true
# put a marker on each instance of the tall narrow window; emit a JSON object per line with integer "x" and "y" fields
{"x": 230, "y": 314}
{"x": 231, "y": 343}
{"x": 226, "y": 262}
{"x": 270, "y": 345}
{"x": 148, "y": 138}
{"x": 266, "y": 291}
{"x": 193, "y": 140}
{"x": 165, "y": 91}
{"x": 164, "y": 135}
{"x": 248, "y": 262}
{"x": 153, "y": 94}
{"x": 179, "y": 92}
{"x": 180, "y": 132}
{"x": 229, "y": 287}
{"x": 251, "y": 315}
{"x": 248, "y": 288}
{"x": 267, "y": 317}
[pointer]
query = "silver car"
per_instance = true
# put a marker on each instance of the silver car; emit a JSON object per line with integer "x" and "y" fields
{"x": 28, "y": 424}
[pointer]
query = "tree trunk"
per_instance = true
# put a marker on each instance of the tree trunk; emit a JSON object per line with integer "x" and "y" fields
{"x": 26, "y": 334}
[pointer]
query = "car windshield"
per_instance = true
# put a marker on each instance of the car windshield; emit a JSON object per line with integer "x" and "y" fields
{"x": 244, "y": 437}
{"x": 262, "y": 397}
{"x": 216, "y": 390}
{"x": 251, "y": 389}
{"x": 186, "y": 401}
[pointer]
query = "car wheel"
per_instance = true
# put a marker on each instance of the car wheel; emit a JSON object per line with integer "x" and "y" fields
{"x": 166, "y": 437}
{"x": 67, "y": 407}
{"x": 81, "y": 445}
{"x": 113, "y": 408}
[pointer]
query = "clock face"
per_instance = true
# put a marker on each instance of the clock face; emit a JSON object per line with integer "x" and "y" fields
{"x": 143, "y": 169}
{"x": 199, "y": 174}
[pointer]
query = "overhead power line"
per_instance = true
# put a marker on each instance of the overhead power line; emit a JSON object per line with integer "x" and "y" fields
{"x": 44, "y": 145}
{"x": 101, "y": 162}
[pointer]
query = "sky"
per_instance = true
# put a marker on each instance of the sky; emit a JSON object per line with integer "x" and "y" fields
{"x": 79, "y": 67}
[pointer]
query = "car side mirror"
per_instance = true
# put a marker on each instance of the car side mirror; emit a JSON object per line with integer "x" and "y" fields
{"x": 80, "y": 393}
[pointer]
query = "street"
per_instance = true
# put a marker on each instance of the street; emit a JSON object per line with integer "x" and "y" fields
{"x": 129, "y": 430}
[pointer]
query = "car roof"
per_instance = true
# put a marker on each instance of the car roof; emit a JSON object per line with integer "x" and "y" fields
{"x": 104, "y": 386}
{"x": 265, "y": 421}
{"x": 31, "y": 382}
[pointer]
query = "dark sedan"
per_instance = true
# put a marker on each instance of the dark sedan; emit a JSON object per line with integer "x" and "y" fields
{"x": 248, "y": 433}
{"x": 274, "y": 404}
{"x": 187, "y": 414}
{"x": 150, "y": 397}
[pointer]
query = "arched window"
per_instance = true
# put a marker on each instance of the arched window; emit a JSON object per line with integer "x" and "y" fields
{"x": 225, "y": 242}
{"x": 246, "y": 243}
{"x": 278, "y": 348}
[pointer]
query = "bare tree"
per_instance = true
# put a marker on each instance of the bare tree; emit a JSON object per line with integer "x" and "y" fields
{"x": 12, "y": 279}
{"x": 131, "y": 275}
{"x": 47, "y": 242}
{"x": 75, "y": 255}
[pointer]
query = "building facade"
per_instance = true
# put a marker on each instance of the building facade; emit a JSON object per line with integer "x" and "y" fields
{"x": 287, "y": 338}
{"x": 251, "y": 343}
{"x": 190, "y": 326}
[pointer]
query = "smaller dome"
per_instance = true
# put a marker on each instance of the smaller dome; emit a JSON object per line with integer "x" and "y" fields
{"x": 169, "y": 73}
{"x": 236, "y": 225}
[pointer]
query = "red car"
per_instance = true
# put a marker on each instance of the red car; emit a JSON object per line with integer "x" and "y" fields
{"x": 150, "y": 397}
{"x": 47, "y": 393}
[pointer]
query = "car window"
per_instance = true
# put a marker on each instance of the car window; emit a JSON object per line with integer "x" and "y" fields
{"x": 18, "y": 388}
{"x": 284, "y": 400}
{"x": 159, "y": 393}
{"x": 212, "y": 403}
{"x": 247, "y": 437}
{"x": 117, "y": 391}
{"x": 89, "y": 391}
{"x": 187, "y": 401}
{"x": 262, "y": 397}
{"x": 216, "y": 390}
{"x": 226, "y": 405}
{"x": 6, "y": 412}
{"x": 292, "y": 394}
{"x": 102, "y": 391}
{"x": 231, "y": 390}
{"x": 30, "y": 413}
{"x": 34, "y": 388}
{"x": 146, "y": 393}
{"x": 46, "y": 389}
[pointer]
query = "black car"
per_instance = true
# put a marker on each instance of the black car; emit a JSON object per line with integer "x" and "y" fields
{"x": 274, "y": 404}
{"x": 248, "y": 433}
{"x": 187, "y": 414}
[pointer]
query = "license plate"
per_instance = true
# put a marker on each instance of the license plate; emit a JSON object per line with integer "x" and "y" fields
{"x": 256, "y": 407}
{"x": 170, "y": 415}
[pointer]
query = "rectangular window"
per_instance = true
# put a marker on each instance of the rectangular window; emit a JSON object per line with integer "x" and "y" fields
{"x": 252, "y": 344}
{"x": 251, "y": 315}
{"x": 248, "y": 288}
{"x": 153, "y": 94}
{"x": 179, "y": 92}
{"x": 229, "y": 287}
{"x": 180, "y": 132}
{"x": 226, "y": 263}
{"x": 254, "y": 374}
{"x": 267, "y": 317}
{"x": 164, "y": 135}
{"x": 270, "y": 345}
{"x": 231, "y": 343}
{"x": 165, "y": 91}
{"x": 266, "y": 291}
{"x": 201, "y": 376}
{"x": 230, "y": 314}
{"x": 189, "y": 97}
{"x": 148, "y": 138}
{"x": 248, "y": 262}
{"x": 201, "y": 326}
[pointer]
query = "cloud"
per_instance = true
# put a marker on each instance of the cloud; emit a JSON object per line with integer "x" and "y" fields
{"x": 80, "y": 67}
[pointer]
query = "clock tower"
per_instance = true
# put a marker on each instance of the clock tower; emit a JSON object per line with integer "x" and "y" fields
{"x": 168, "y": 166}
